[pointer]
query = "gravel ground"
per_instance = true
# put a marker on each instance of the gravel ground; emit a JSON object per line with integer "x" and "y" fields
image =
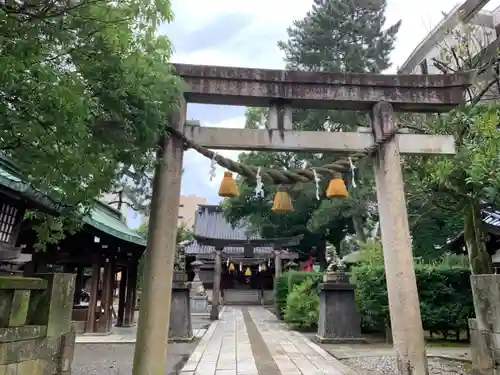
{"x": 387, "y": 366}
{"x": 117, "y": 359}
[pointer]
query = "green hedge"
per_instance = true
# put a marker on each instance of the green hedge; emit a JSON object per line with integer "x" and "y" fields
{"x": 444, "y": 292}
{"x": 284, "y": 285}
{"x": 302, "y": 305}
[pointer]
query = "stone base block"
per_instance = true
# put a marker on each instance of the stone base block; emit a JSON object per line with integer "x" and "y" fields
{"x": 340, "y": 340}
{"x": 199, "y": 305}
{"x": 339, "y": 320}
{"x": 180, "y": 313}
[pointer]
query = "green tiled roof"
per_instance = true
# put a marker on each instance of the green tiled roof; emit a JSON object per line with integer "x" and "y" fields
{"x": 102, "y": 217}
{"x": 108, "y": 220}
{"x": 11, "y": 179}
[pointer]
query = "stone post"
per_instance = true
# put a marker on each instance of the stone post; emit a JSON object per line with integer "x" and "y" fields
{"x": 214, "y": 312}
{"x": 485, "y": 329}
{"x": 53, "y": 306}
{"x": 180, "y": 313}
{"x": 404, "y": 307}
{"x": 278, "y": 270}
{"x": 339, "y": 321}
{"x": 150, "y": 356}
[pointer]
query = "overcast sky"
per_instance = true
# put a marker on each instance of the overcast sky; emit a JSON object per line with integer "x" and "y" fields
{"x": 245, "y": 33}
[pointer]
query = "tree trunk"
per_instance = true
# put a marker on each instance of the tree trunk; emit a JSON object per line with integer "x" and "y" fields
{"x": 321, "y": 255}
{"x": 479, "y": 259}
{"x": 358, "y": 228}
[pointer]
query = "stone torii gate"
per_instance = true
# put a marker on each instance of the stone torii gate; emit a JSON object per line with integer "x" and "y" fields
{"x": 382, "y": 95}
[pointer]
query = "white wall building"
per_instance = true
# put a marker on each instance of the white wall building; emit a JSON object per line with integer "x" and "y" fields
{"x": 484, "y": 26}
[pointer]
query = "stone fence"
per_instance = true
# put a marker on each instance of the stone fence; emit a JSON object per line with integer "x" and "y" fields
{"x": 36, "y": 335}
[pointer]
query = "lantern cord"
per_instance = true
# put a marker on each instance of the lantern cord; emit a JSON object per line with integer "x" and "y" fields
{"x": 273, "y": 176}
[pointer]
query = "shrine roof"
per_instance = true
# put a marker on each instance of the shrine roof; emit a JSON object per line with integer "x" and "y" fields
{"x": 211, "y": 225}
{"x": 102, "y": 217}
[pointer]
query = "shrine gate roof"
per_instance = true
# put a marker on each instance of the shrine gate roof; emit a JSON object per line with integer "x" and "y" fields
{"x": 210, "y": 222}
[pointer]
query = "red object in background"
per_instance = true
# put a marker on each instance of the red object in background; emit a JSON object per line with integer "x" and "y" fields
{"x": 308, "y": 266}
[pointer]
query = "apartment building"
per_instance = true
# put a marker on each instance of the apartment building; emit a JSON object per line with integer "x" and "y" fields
{"x": 483, "y": 27}
{"x": 188, "y": 206}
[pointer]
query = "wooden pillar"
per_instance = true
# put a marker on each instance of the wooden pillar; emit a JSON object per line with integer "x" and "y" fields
{"x": 105, "y": 297}
{"x": 111, "y": 295}
{"x": 214, "y": 312}
{"x": 151, "y": 346}
{"x": 94, "y": 290}
{"x": 78, "y": 285}
{"x": 404, "y": 307}
{"x": 133, "y": 300}
{"x": 121, "y": 297}
{"x": 130, "y": 296}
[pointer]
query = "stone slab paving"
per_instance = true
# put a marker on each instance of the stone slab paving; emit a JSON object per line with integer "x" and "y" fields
{"x": 251, "y": 341}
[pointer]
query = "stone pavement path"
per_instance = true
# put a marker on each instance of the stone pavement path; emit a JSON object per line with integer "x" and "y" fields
{"x": 251, "y": 341}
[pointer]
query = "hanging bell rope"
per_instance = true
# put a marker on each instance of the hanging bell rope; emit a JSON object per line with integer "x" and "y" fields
{"x": 284, "y": 177}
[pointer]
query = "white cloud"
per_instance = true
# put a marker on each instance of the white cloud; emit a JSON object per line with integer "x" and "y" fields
{"x": 197, "y": 167}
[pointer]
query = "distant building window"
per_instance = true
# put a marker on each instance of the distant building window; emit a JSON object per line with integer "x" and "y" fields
{"x": 181, "y": 205}
{"x": 180, "y": 217}
{"x": 424, "y": 69}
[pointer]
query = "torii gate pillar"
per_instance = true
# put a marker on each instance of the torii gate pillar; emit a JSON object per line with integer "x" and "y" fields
{"x": 402, "y": 291}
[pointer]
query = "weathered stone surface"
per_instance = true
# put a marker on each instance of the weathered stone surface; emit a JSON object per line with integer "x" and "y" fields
{"x": 260, "y": 87}
{"x": 19, "y": 311}
{"x": 53, "y": 306}
{"x": 481, "y": 350}
{"x": 17, "y": 351}
{"x": 10, "y": 369}
{"x": 21, "y": 333}
{"x": 339, "y": 320}
{"x": 13, "y": 307}
{"x": 180, "y": 314}
{"x": 67, "y": 351}
{"x": 22, "y": 283}
{"x": 486, "y": 294}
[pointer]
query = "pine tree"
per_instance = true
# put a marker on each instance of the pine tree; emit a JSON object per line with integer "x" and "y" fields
{"x": 335, "y": 36}
{"x": 341, "y": 36}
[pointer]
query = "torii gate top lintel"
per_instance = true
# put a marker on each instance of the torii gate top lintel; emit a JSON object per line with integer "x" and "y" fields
{"x": 356, "y": 91}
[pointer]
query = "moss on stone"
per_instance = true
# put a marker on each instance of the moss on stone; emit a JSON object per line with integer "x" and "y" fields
{"x": 20, "y": 282}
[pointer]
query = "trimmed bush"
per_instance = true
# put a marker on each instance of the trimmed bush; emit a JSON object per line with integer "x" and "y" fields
{"x": 302, "y": 305}
{"x": 280, "y": 294}
{"x": 284, "y": 285}
{"x": 444, "y": 291}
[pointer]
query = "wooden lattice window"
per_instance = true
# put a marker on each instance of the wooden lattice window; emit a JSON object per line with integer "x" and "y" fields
{"x": 8, "y": 217}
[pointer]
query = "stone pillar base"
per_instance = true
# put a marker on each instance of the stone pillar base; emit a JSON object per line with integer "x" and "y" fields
{"x": 199, "y": 305}
{"x": 339, "y": 321}
{"x": 333, "y": 340}
{"x": 180, "y": 314}
{"x": 485, "y": 329}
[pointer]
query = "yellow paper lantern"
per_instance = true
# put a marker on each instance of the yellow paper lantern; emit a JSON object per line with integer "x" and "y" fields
{"x": 248, "y": 272}
{"x": 228, "y": 187}
{"x": 282, "y": 201}
{"x": 336, "y": 187}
